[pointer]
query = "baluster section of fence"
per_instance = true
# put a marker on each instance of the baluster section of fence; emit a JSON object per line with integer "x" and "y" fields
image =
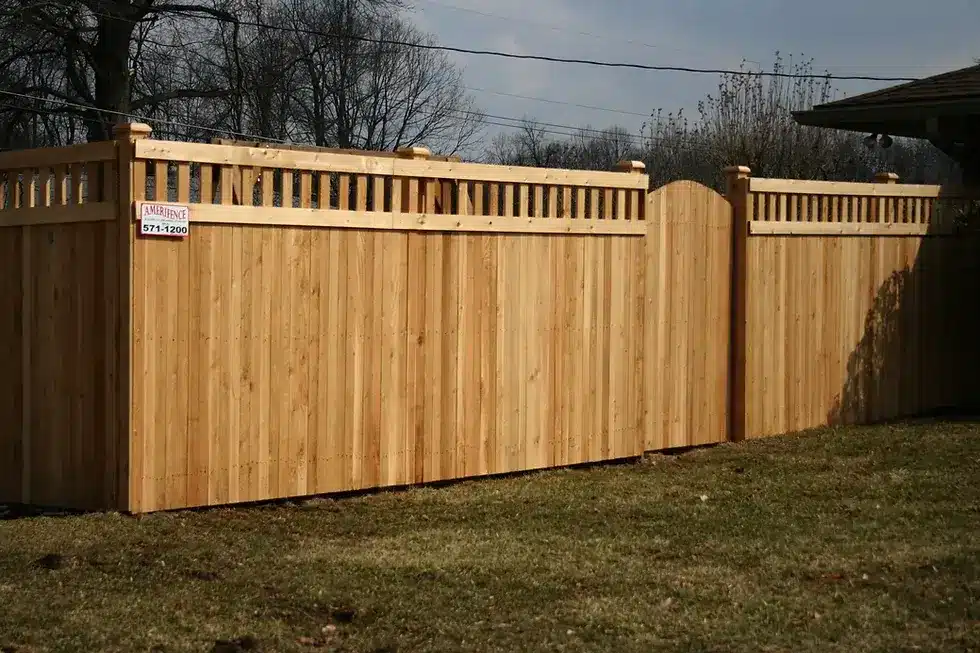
{"x": 58, "y": 185}
{"x": 411, "y": 190}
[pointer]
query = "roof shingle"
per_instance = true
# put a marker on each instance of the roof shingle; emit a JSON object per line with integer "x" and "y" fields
{"x": 962, "y": 84}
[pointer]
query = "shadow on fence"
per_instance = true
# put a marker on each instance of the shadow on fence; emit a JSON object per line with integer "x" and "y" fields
{"x": 919, "y": 354}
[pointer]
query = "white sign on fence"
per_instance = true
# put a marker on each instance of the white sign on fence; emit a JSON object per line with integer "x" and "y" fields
{"x": 170, "y": 220}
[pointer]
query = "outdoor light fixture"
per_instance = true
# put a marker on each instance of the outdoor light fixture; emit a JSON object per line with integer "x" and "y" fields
{"x": 869, "y": 141}
{"x": 886, "y": 141}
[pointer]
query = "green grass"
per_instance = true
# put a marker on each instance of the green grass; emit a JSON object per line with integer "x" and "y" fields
{"x": 851, "y": 540}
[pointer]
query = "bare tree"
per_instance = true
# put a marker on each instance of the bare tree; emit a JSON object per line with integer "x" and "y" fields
{"x": 92, "y": 42}
{"x": 748, "y": 121}
{"x": 337, "y": 72}
{"x": 530, "y": 145}
{"x": 365, "y": 84}
{"x": 588, "y": 148}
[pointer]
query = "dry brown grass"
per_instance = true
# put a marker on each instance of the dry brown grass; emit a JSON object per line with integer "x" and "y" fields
{"x": 848, "y": 540}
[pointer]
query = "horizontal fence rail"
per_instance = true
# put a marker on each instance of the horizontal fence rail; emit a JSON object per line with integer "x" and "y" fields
{"x": 315, "y": 148}
{"x": 236, "y": 184}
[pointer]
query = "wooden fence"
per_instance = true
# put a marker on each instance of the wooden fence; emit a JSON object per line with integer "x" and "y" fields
{"x": 853, "y": 302}
{"x": 338, "y": 321}
{"x": 61, "y": 378}
{"x": 459, "y": 330}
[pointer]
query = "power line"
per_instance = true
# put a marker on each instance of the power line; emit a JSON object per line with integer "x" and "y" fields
{"x": 567, "y": 60}
{"x": 619, "y": 39}
{"x": 538, "y": 123}
{"x": 551, "y": 129}
{"x": 186, "y": 69}
{"x": 556, "y": 28}
{"x": 536, "y": 57}
{"x": 164, "y": 121}
{"x": 187, "y": 125}
{"x": 559, "y": 102}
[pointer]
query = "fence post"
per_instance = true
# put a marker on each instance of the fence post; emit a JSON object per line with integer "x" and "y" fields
{"x": 636, "y": 200}
{"x": 737, "y": 192}
{"x": 126, "y": 136}
{"x": 881, "y": 204}
{"x": 427, "y": 192}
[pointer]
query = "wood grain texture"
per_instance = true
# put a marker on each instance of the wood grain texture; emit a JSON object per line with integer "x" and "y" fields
{"x": 324, "y": 360}
{"x": 862, "y": 326}
{"x": 686, "y": 325}
{"x": 58, "y": 324}
{"x": 440, "y": 320}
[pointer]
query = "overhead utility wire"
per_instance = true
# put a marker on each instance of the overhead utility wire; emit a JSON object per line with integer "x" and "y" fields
{"x": 538, "y": 57}
{"x": 559, "y": 102}
{"x": 558, "y": 28}
{"x": 162, "y": 121}
{"x": 552, "y": 129}
{"x": 567, "y": 60}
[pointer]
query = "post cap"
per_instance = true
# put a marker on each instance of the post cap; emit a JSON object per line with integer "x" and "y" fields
{"x": 414, "y": 152}
{"x": 739, "y": 172}
{"x": 637, "y": 167}
{"x": 886, "y": 178}
{"x": 132, "y": 130}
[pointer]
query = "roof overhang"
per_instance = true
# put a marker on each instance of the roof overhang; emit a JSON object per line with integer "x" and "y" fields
{"x": 915, "y": 120}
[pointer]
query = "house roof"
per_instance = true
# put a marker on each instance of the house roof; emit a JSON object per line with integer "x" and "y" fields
{"x": 956, "y": 85}
{"x": 905, "y": 109}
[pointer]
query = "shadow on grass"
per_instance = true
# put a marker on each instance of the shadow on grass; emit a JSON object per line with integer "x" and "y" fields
{"x": 11, "y": 511}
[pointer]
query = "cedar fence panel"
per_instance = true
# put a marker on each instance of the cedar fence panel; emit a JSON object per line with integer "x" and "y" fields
{"x": 59, "y": 307}
{"x": 854, "y": 302}
{"x": 339, "y": 321}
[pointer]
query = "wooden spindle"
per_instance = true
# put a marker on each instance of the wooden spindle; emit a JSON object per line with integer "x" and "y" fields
{"x": 463, "y": 198}
{"x": 268, "y": 191}
{"x": 227, "y": 185}
{"x": 523, "y": 201}
{"x": 305, "y": 189}
{"x": 377, "y": 193}
{"x": 207, "y": 183}
{"x": 361, "y": 189}
{"x": 246, "y": 195}
{"x": 286, "y": 198}
{"x": 161, "y": 183}
{"x": 479, "y": 188}
{"x": 343, "y": 192}
{"x": 60, "y": 185}
{"x": 323, "y": 190}
{"x": 183, "y": 182}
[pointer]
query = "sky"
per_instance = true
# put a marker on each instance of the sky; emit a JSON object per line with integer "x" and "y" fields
{"x": 886, "y": 38}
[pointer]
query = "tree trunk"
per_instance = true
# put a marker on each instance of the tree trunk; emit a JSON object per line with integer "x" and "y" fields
{"x": 111, "y": 67}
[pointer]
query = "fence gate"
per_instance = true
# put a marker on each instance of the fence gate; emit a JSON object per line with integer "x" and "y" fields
{"x": 689, "y": 265}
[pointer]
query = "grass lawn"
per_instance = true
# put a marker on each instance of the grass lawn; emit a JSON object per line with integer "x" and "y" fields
{"x": 851, "y": 540}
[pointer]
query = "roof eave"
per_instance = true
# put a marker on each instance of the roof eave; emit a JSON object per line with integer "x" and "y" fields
{"x": 862, "y": 116}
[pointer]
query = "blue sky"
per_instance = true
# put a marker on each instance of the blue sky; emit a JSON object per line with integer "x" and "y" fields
{"x": 877, "y": 37}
